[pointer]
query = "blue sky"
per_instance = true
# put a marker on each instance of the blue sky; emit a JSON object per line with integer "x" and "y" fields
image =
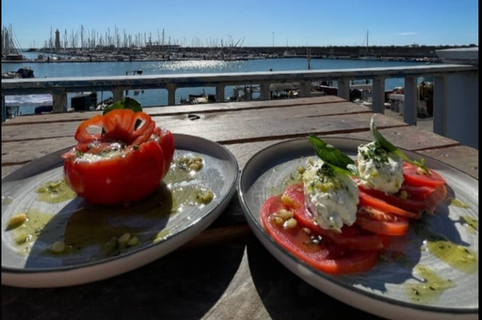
{"x": 252, "y": 22}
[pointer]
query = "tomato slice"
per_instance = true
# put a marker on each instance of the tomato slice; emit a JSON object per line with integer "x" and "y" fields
{"x": 325, "y": 256}
{"x": 145, "y": 128}
{"x": 383, "y": 223}
{"x": 409, "y": 204}
{"x": 368, "y": 200}
{"x": 127, "y": 126}
{"x": 352, "y": 237}
{"x": 84, "y": 136}
{"x": 412, "y": 201}
{"x": 166, "y": 141}
{"x": 416, "y": 192}
{"x": 412, "y": 176}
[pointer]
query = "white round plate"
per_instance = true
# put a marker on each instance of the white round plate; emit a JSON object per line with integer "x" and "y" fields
{"x": 163, "y": 222}
{"x": 385, "y": 289}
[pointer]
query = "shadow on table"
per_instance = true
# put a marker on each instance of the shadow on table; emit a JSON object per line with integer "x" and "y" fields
{"x": 181, "y": 285}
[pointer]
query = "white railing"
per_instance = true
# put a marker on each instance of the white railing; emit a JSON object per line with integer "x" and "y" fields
{"x": 59, "y": 87}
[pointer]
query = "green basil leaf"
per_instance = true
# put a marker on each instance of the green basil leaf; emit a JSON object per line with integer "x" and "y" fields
{"x": 124, "y": 103}
{"x": 329, "y": 153}
{"x": 336, "y": 159}
{"x": 385, "y": 144}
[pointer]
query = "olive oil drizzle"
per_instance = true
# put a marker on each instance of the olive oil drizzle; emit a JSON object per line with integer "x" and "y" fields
{"x": 54, "y": 192}
{"x": 457, "y": 256}
{"x": 95, "y": 231}
{"x": 430, "y": 288}
{"x": 457, "y": 203}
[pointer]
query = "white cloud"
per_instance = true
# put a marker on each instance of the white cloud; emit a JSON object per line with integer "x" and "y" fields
{"x": 406, "y": 33}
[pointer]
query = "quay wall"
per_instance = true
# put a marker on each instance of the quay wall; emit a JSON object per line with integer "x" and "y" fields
{"x": 354, "y": 51}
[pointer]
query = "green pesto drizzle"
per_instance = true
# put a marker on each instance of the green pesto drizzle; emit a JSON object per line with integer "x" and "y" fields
{"x": 457, "y": 203}
{"x": 457, "y": 256}
{"x": 431, "y": 287}
{"x": 55, "y": 192}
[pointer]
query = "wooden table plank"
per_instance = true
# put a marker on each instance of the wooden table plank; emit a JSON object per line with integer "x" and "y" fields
{"x": 272, "y": 129}
{"x": 231, "y": 132}
{"x": 410, "y": 138}
{"x": 175, "y": 110}
{"x": 66, "y": 129}
{"x": 463, "y": 158}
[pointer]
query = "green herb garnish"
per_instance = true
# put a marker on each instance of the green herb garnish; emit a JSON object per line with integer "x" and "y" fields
{"x": 385, "y": 144}
{"x": 333, "y": 157}
{"x": 124, "y": 103}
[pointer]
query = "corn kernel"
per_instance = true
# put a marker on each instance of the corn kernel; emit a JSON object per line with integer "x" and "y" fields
{"x": 287, "y": 201}
{"x": 285, "y": 214}
{"x": 124, "y": 238}
{"x": 17, "y": 220}
{"x": 277, "y": 220}
{"x": 290, "y": 223}
{"x": 58, "y": 247}
{"x": 132, "y": 242}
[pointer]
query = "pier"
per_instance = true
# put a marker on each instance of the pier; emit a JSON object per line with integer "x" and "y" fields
{"x": 455, "y": 89}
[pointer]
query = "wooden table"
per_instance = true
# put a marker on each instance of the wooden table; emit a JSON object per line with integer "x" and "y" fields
{"x": 224, "y": 273}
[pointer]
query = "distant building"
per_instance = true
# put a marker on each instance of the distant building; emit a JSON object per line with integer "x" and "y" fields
{"x": 57, "y": 40}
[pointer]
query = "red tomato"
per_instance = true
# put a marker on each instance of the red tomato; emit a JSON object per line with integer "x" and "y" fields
{"x": 368, "y": 200}
{"x": 416, "y": 192}
{"x": 380, "y": 222}
{"x": 416, "y": 199}
{"x": 352, "y": 237}
{"x": 135, "y": 171}
{"x": 325, "y": 256}
{"x": 412, "y": 176}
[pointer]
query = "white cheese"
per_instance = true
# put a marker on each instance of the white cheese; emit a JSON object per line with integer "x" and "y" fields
{"x": 106, "y": 155}
{"x": 382, "y": 169}
{"x": 331, "y": 197}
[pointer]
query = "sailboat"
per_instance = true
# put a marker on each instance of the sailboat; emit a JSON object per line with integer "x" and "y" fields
{"x": 10, "y": 45}
{"x": 366, "y": 54}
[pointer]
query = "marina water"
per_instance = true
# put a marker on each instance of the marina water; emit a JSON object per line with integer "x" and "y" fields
{"x": 157, "y": 97}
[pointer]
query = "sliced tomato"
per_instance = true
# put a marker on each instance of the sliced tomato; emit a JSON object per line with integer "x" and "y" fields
{"x": 352, "y": 237}
{"x": 166, "y": 141}
{"x": 325, "y": 256}
{"x": 412, "y": 201}
{"x": 368, "y": 200}
{"x": 414, "y": 205}
{"x": 413, "y": 176}
{"x": 416, "y": 192}
{"x": 436, "y": 198}
{"x": 82, "y": 134}
{"x": 383, "y": 223}
{"x": 127, "y": 126}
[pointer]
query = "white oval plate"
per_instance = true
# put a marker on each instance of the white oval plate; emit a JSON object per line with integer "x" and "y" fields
{"x": 158, "y": 222}
{"x": 382, "y": 290}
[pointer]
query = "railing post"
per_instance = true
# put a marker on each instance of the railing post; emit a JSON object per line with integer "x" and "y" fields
{"x": 171, "y": 94}
{"x": 220, "y": 92}
{"x": 59, "y": 102}
{"x": 378, "y": 97}
{"x": 117, "y": 94}
{"x": 344, "y": 88}
{"x": 264, "y": 91}
{"x": 4, "y": 109}
{"x": 410, "y": 103}
{"x": 440, "y": 105}
{"x": 305, "y": 89}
